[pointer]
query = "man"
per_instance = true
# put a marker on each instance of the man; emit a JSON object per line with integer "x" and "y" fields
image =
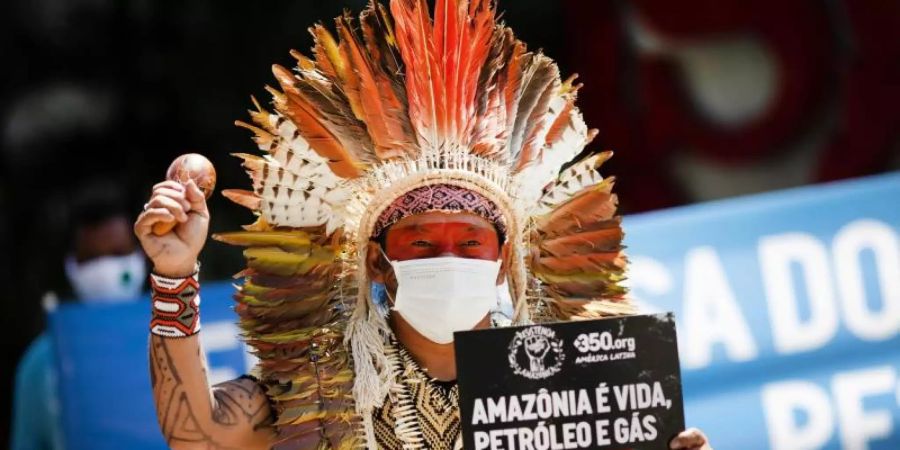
{"x": 411, "y": 182}
{"x": 104, "y": 266}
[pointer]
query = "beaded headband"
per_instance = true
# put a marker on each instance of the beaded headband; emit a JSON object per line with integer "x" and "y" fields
{"x": 439, "y": 197}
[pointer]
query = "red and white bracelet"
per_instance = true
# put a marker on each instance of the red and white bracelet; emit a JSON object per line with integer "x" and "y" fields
{"x": 176, "y": 305}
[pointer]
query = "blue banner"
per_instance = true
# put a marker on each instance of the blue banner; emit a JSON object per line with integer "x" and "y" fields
{"x": 107, "y": 402}
{"x": 788, "y": 311}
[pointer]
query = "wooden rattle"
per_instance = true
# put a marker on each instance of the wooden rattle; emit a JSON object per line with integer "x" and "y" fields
{"x": 190, "y": 166}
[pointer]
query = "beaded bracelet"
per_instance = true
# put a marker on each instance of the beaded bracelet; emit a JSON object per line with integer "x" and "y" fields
{"x": 176, "y": 305}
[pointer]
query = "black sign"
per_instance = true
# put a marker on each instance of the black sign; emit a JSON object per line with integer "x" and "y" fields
{"x": 598, "y": 384}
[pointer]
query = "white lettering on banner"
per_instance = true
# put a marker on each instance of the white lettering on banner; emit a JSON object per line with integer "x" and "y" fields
{"x": 777, "y": 254}
{"x": 833, "y": 284}
{"x": 649, "y": 276}
{"x": 542, "y": 405}
{"x": 856, "y": 426}
{"x": 781, "y": 399}
{"x": 849, "y": 244}
{"x": 711, "y": 312}
{"x": 850, "y": 390}
{"x": 836, "y": 279}
{"x": 633, "y": 402}
{"x": 224, "y": 337}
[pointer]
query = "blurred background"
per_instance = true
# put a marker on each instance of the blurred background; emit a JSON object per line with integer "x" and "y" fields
{"x": 700, "y": 99}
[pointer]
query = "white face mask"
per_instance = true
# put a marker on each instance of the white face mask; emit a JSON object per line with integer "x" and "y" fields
{"x": 438, "y": 296}
{"x": 107, "y": 279}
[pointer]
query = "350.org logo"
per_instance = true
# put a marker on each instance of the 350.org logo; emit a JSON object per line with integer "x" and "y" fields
{"x": 597, "y": 341}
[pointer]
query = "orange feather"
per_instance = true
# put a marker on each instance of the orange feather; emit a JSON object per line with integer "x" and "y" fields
{"x": 378, "y": 31}
{"x": 263, "y": 138}
{"x": 592, "y": 204}
{"x": 490, "y": 132}
{"x": 414, "y": 31}
{"x": 311, "y": 126}
{"x": 602, "y": 240}
{"x": 378, "y": 106}
{"x": 444, "y": 62}
{"x": 326, "y": 52}
{"x": 247, "y": 199}
{"x": 475, "y": 47}
{"x": 582, "y": 263}
{"x": 562, "y": 121}
{"x": 540, "y": 82}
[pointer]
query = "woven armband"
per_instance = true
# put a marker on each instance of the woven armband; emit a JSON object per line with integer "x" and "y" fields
{"x": 176, "y": 305}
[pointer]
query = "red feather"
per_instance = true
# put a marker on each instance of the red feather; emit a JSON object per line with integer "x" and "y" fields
{"x": 413, "y": 30}
{"x": 443, "y": 64}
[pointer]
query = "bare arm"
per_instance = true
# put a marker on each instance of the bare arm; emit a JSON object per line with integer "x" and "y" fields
{"x": 230, "y": 415}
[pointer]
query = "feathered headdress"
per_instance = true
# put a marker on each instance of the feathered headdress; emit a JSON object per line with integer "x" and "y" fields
{"x": 387, "y": 104}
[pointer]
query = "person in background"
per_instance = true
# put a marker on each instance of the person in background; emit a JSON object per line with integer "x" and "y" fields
{"x": 104, "y": 265}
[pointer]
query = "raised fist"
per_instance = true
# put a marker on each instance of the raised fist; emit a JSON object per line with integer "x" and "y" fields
{"x": 175, "y": 252}
{"x": 536, "y": 347}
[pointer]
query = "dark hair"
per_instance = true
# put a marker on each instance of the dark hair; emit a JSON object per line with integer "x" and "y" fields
{"x": 96, "y": 203}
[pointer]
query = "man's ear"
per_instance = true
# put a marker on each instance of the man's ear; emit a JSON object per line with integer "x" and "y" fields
{"x": 504, "y": 262}
{"x": 376, "y": 264}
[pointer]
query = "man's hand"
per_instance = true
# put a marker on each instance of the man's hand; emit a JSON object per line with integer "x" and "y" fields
{"x": 690, "y": 439}
{"x": 174, "y": 254}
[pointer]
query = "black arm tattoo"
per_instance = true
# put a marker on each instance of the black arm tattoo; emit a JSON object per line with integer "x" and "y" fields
{"x": 236, "y": 404}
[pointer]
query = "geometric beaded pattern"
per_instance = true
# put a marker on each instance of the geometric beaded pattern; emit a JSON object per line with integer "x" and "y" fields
{"x": 422, "y": 415}
{"x": 439, "y": 197}
{"x": 176, "y": 306}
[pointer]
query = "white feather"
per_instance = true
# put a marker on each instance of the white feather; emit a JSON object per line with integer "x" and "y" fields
{"x": 531, "y": 182}
{"x": 571, "y": 181}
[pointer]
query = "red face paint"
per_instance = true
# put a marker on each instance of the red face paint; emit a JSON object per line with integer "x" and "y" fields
{"x": 434, "y": 234}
